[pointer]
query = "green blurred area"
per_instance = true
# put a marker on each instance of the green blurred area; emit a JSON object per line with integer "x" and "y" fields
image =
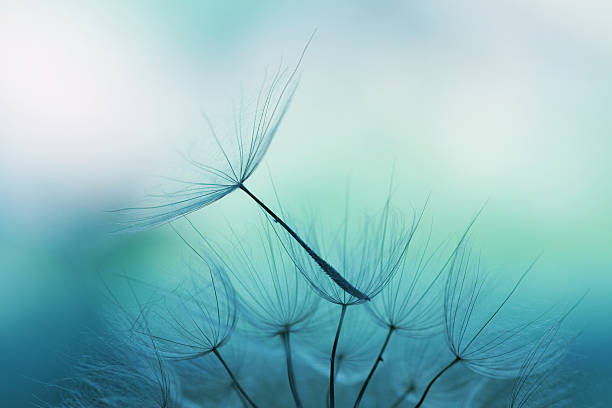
{"x": 501, "y": 103}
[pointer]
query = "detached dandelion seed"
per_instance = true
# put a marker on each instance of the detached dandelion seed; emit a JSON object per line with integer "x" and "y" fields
{"x": 237, "y": 166}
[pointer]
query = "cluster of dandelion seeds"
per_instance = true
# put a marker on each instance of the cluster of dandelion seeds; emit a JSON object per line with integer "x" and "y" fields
{"x": 369, "y": 310}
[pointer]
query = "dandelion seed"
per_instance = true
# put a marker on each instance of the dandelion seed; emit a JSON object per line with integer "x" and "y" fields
{"x": 554, "y": 389}
{"x": 197, "y": 318}
{"x": 239, "y": 156}
{"x": 533, "y": 384}
{"x": 120, "y": 371}
{"x": 405, "y": 307}
{"x": 410, "y": 304}
{"x": 477, "y": 334}
{"x": 369, "y": 258}
{"x": 273, "y": 296}
{"x": 238, "y": 164}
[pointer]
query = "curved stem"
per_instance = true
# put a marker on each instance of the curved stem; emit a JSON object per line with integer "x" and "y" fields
{"x": 333, "y": 359}
{"x": 290, "y": 373}
{"x": 378, "y": 360}
{"x": 327, "y": 268}
{"x": 452, "y": 363}
{"x": 234, "y": 380}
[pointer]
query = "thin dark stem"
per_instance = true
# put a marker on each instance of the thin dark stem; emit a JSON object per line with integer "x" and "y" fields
{"x": 337, "y": 370}
{"x": 243, "y": 401}
{"x": 290, "y": 373}
{"x": 332, "y": 370}
{"x": 402, "y": 397}
{"x": 234, "y": 380}
{"x": 378, "y": 360}
{"x": 327, "y": 268}
{"x": 452, "y": 363}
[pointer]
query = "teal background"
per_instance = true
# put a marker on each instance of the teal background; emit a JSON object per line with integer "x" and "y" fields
{"x": 503, "y": 102}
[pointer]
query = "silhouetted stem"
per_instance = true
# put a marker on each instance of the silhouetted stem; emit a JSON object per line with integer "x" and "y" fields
{"x": 234, "y": 380}
{"x": 378, "y": 360}
{"x": 243, "y": 401}
{"x": 327, "y": 268}
{"x": 402, "y": 397}
{"x": 290, "y": 372}
{"x": 332, "y": 370}
{"x": 337, "y": 370}
{"x": 452, "y": 363}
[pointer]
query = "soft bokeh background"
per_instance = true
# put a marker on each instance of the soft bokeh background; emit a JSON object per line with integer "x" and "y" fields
{"x": 468, "y": 101}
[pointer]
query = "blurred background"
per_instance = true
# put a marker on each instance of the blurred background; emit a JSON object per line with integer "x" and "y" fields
{"x": 467, "y": 102}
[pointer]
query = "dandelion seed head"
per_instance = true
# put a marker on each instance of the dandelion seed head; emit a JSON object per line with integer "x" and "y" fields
{"x": 411, "y": 302}
{"x": 273, "y": 295}
{"x": 194, "y": 318}
{"x": 484, "y": 329}
{"x": 236, "y": 155}
{"x": 367, "y": 254}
